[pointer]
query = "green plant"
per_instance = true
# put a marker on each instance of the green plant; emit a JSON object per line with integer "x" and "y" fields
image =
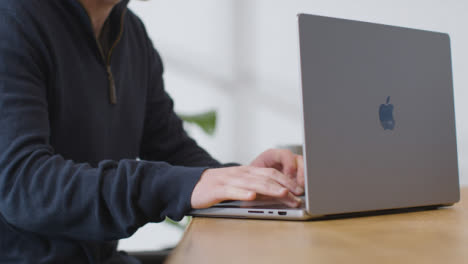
{"x": 206, "y": 121}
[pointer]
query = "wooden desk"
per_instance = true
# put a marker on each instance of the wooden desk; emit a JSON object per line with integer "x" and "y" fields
{"x": 434, "y": 236}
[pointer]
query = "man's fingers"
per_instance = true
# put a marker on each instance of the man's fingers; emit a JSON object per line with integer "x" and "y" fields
{"x": 235, "y": 193}
{"x": 287, "y": 161}
{"x": 244, "y": 183}
{"x": 279, "y": 177}
{"x": 291, "y": 200}
{"x": 300, "y": 170}
{"x": 259, "y": 184}
{"x": 291, "y": 165}
{"x": 276, "y": 158}
{"x": 283, "y": 160}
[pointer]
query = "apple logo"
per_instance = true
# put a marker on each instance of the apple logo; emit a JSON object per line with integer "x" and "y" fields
{"x": 386, "y": 115}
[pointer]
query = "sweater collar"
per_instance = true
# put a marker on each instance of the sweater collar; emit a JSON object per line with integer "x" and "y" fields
{"x": 82, "y": 15}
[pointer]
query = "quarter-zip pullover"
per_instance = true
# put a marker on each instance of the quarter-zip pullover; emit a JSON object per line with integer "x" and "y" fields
{"x": 72, "y": 123}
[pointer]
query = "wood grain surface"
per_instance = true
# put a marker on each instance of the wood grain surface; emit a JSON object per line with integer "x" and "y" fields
{"x": 431, "y": 236}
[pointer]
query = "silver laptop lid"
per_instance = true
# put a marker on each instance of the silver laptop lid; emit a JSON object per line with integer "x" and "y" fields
{"x": 378, "y": 116}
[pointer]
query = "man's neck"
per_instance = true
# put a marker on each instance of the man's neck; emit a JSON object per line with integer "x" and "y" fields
{"x": 98, "y": 11}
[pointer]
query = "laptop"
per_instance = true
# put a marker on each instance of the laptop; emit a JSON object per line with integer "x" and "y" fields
{"x": 379, "y": 122}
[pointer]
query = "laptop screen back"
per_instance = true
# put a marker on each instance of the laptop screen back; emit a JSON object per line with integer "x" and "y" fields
{"x": 378, "y": 116}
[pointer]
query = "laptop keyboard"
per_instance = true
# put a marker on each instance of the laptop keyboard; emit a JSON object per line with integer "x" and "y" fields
{"x": 257, "y": 204}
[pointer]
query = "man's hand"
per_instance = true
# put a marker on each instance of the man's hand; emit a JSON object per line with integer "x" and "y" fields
{"x": 275, "y": 173}
{"x": 283, "y": 160}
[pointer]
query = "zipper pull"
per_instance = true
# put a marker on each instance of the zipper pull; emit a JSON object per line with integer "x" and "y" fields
{"x": 112, "y": 90}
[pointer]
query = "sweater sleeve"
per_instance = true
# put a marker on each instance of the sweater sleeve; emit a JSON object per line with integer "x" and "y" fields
{"x": 43, "y": 193}
{"x": 164, "y": 137}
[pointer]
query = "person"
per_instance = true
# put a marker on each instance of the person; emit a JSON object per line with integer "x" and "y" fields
{"x": 90, "y": 146}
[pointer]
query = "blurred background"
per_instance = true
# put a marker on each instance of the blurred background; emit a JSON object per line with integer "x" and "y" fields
{"x": 240, "y": 57}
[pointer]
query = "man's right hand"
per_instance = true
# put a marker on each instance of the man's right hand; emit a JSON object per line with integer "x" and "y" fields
{"x": 245, "y": 183}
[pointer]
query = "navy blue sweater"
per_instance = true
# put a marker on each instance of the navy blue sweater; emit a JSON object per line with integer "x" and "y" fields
{"x": 72, "y": 123}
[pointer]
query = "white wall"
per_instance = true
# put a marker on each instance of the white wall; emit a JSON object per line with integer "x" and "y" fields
{"x": 241, "y": 58}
